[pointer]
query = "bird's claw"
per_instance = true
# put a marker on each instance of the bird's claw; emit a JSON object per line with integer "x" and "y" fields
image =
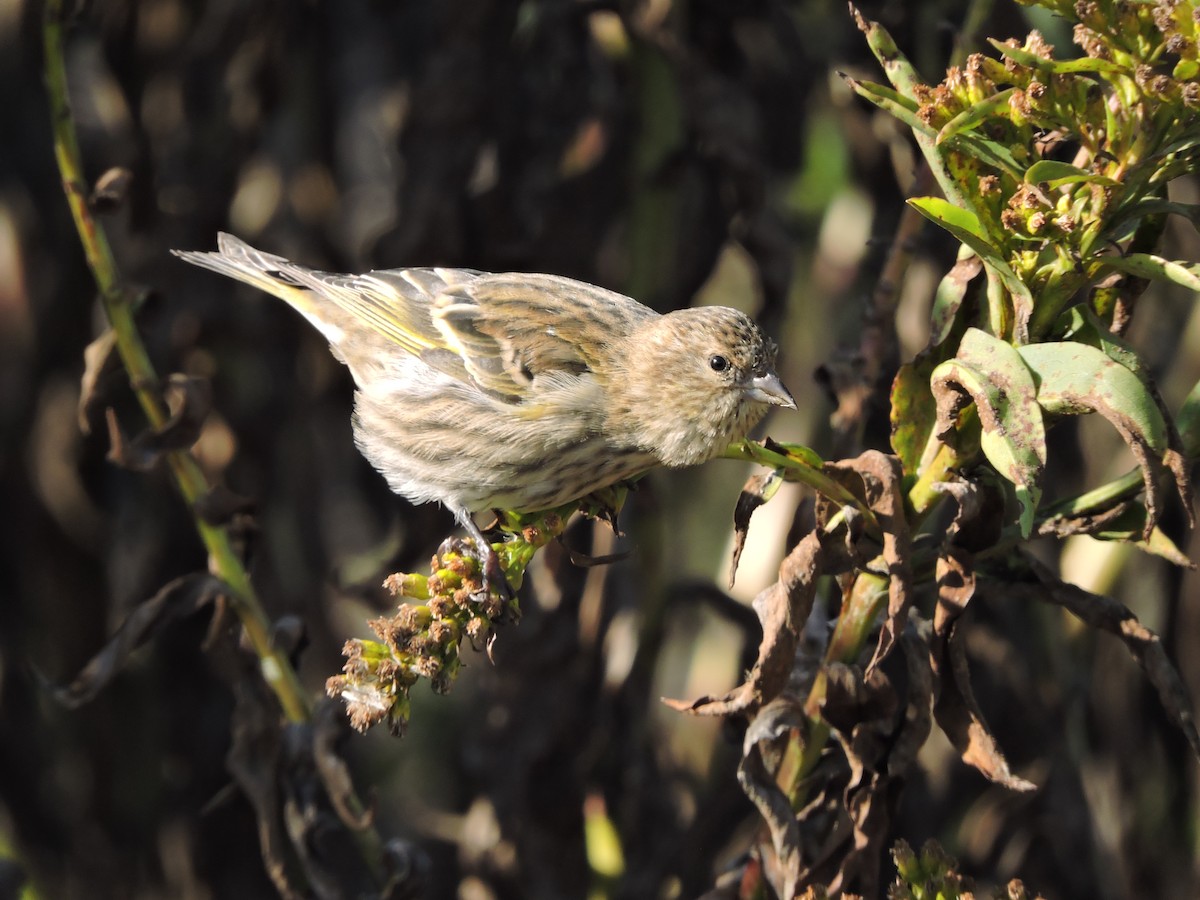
{"x": 495, "y": 581}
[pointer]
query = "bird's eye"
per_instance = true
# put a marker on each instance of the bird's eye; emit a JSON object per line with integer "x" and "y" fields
{"x": 718, "y": 363}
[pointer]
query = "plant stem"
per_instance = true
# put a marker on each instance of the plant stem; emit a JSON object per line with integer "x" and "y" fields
{"x": 185, "y": 471}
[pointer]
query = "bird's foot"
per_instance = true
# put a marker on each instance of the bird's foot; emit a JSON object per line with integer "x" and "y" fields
{"x": 495, "y": 581}
{"x": 485, "y": 583}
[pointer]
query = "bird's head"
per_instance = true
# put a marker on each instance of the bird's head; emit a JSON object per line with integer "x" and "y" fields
{"x": 694, "y": 380}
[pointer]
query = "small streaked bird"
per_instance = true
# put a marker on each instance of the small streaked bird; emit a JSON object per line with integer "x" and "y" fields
{"x": 521, "y": 391}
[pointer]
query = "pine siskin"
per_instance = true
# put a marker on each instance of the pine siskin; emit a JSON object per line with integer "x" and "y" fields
{"x": 521, "y": 391}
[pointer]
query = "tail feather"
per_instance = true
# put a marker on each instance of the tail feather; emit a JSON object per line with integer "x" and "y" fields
{"x": 296, "y": 285}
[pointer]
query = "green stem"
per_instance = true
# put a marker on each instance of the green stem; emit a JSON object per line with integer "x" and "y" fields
{"x": 1126, "y": 487}
{"x": 805, "y": 472}
{"x": 188, "y": 477}
{"x": 924, "y": 494}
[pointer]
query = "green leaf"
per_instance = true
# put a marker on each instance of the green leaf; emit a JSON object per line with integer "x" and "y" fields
{"x": 1087, "y": 64}
{"x": 1160, "y": 545}
{"x": 1188, "y": 422}
{"x": 1076, "y": 378}
{"x": 1154, "y": 206}
{"x": 1081, "y": 325}
{"x": 1186, "y": 70}
{"x": 1055, "y": 174}
{"x": 1059, "y": 66}
{"x": 950, "y": 294}
{"x": 974, "y": 114}
{"x": 900, "y": 72}
{"x": 913, "y": 412}
{"x": 1131, "y": 526}
{"x": 962, "y": 223}
{"x": 994, "y": 154}
{"x": 1156, "y": 268}
{"x": 799, "y": 453}
{"x": 994, "y": 376}
{"x": 890, "y": 101}
{"x": 965, "y": 226}
{"x": 1189, "y": 140}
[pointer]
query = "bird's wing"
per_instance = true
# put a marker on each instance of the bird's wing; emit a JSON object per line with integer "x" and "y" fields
{"x": 500, "y": 331}
{"x": 511, "y": 329}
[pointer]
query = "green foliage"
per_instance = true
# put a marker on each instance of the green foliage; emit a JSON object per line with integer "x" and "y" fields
{"x": 1054, "y": 173}
{"x": 933, "y": 875}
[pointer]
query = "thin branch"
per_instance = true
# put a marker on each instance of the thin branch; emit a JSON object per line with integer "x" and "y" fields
{"x": 116, "y": 299}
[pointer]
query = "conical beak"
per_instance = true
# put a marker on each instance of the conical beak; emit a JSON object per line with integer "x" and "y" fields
{"x": 769, "y": 389}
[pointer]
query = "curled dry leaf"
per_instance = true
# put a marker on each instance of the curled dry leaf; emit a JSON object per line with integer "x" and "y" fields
{"x": 774, "y": 723}
{"x": 881, "y": 475}
{"x": 179, "y": 598}
{"x": 879, "y": 744}
{"x": 219, "y": 505}
{"x": 98, "y": 360}
{"x": 918, "y": 708}
{"x": 111, "y": 190}
{"x": 868, "y": 803}
{"x": 879, "y": 751}
{"x": 955, "y": 707}
{"x": 862, "y": 711}
{"x": 1068, "y": 526}
{"x": 759, "y": 489}
{"x": 329, "y": 726}
{"x": 979, "y": 519}
{"x": 782, "y": 609}
{"x": 256, "y": 757}
{"x": 299, "y": 789}
{"x": 188, "y": 402}
{"x": 875, "y": 478}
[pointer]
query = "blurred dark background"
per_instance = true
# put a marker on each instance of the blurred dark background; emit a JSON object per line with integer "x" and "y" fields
{"x": 681, "y": 152}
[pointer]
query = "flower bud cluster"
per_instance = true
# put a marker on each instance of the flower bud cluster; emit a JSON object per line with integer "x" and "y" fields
{"x": 1112, "y": 122}
{"x": 418, "y": 641}
{"x": 422, "y": 638}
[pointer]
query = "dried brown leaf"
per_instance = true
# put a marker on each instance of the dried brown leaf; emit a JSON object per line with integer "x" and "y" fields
{"x": 782, "y": 609}
{"x": 918, "y": 709}
{"x": 188, "y": 402}
{"x": 867, "y": 800}
{"x": 98, "y": 360}
{"x": 179, "y": 598}
{"x": 1176, "y": 460}
{"x": 759, "y": 488}
{"x": 111, "y": 190}
{"x": 955, "y": 707}
{"x": 854, "y": 699}
{"x": 980, "y": 516}
{"x": 774, "y": 723}
{"x": 882, "y": 475}
{"x": 254, "y": 759}
{"x": 329, "y": 727}
{"x": 1064, "y": 527}
{"x": 875, "y": 479}
{"x": 219, "y": 505}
